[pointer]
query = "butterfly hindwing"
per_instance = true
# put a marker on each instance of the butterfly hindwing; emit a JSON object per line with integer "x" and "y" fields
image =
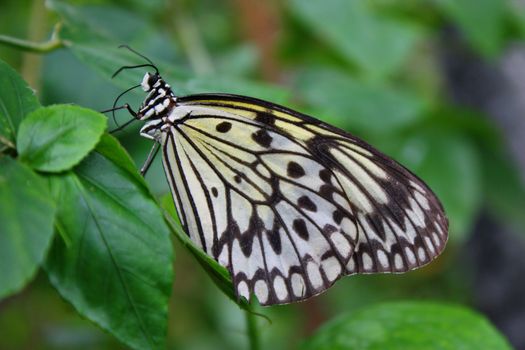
{"x": 289, "y": 204}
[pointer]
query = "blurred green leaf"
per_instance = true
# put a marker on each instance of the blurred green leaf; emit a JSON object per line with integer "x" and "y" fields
{"x": 406, "y": 326}
{"x": 98, "y": 46}
{"x": 482, "y": 22}
{"x": 239, "y": 86}
{"x": 56, "y": 138}
{"x": 504, "y": 188}
{"x": 238, "y": 61}
{"x": 443, "y": 279}
{"x": 105, "y": 57}
{"x": 99, "y": 50}
{"x": 100, "y": 19}
{"x": 26, "y": 224}
{"x": 114, "y": 261}
{"x": 143, "y": 7}
{"x": 355, "y": 105}
{"x": 17, "y": 99}
{"x": 59, "y": 88}
{"x": 516, "y": 16}
{"x": 378, "y": 45}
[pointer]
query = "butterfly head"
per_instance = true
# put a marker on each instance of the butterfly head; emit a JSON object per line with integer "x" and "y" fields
{"x": 160, "y": 99}
{"x": 149, "y": 81}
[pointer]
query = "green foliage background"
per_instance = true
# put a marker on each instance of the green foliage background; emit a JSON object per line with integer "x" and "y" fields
{"x": 75, "y": 216}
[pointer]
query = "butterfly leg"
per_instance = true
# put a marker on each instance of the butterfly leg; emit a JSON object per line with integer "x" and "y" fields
{"x": 130, "y": 111}
{"x": 124, "y": 106}
{"x": 151, "y": 156}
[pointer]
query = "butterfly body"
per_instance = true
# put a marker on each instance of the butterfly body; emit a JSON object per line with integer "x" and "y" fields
{"x": 287, "y": 203}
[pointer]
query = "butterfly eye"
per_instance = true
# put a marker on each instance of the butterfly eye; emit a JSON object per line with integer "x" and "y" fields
{"x": 153, "y": 79}
{"x": 148, "y": 81}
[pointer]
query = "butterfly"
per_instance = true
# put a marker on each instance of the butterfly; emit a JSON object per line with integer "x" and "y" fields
{"x": 287, "y": 203}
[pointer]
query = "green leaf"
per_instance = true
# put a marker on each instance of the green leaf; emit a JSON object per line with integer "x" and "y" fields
{"x": 482, "y": 22}
{"x": 114, "y": 261}
{"x": 26, "y": 224}
{"x": 56, "y": 138}
{"x": 355, "y": 105}
{"x": 17, "y": 99}
{"x": 113, "y": 151}
{"x": 408, "y": 326}
{"x": 375, "y": 44}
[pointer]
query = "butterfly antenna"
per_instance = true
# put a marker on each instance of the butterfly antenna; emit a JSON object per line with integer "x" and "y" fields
{"x": 149, "y": 64}
{"x": 132, "y": 67}
{"x": 136, "y": 53}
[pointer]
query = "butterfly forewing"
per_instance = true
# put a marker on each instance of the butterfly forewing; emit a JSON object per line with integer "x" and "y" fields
{"x": 289, "y": 204}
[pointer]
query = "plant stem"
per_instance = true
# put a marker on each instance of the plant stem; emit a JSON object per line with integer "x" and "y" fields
{"x": 54, "y": 43}
{"x": 30, "y": 68}
{"x": 253, "y": 331}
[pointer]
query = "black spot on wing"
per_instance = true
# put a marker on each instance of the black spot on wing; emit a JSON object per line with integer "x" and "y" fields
{"x": 325, "y": 175}
{"x": 223, "y": 127}
{"x": 337, "y": 215}
{"x": 246, "y": 238}
{"x": 265, "y": 118}
{"x": 326, "y": 191}
{"x": 246, "y": 243}
{"x": 329, "y": 229}
{"x": 299, "y": 226}
{"x": 319, "y": 147}
{"x": 262, "y": 138}
{"x": 214, "y": 191}
{"x": 294, "y": 170}
{"x": 274, "y": 238}
{"x": 306, "y": 203}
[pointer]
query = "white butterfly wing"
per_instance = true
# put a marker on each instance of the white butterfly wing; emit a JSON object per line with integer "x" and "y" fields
{"x": 289, "y": 204}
